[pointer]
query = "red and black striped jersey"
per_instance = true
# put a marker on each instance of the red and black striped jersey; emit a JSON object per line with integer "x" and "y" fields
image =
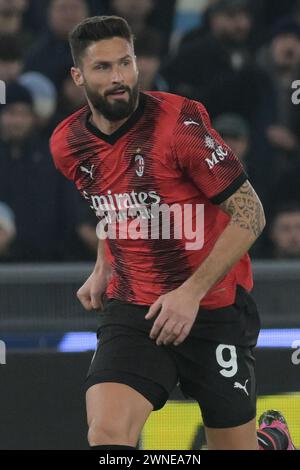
{"x": 166, "y": 154}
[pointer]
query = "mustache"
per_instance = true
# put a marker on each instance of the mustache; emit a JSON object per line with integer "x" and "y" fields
{"x": 118, "y": 89}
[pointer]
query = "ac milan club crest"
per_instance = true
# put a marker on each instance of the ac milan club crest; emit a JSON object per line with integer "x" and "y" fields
{"x": 140, "y": 163}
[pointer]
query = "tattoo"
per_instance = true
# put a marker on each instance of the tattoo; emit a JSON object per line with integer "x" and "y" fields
{"x": 245, "y": 209}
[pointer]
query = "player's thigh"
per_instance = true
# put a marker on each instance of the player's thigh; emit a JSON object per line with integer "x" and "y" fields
{"x": 222, "y": 380}
{"x": 238, "y": 438}
{"x": 116, "y": 409}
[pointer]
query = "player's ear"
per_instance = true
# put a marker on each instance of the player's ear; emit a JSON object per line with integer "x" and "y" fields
{"x": 77, "y": 76}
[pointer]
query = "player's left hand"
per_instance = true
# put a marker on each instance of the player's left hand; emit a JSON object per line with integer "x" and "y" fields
{"x": 177, "y": 313}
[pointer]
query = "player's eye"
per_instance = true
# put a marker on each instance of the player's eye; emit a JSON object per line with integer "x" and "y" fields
{"x": 126, "y": 62}
{"x": 101, "y": 67}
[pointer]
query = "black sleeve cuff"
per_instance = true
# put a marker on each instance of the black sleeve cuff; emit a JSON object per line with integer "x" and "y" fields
{"x": 235, "y": 185}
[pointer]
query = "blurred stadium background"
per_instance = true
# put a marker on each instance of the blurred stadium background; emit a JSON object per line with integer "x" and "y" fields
{"x": 241, "y": 59}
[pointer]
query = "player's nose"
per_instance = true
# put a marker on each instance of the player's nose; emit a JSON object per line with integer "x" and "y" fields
{"x": 117, "y": 76}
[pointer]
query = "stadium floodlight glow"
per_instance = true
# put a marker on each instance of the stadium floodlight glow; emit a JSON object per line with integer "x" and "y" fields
{"x": 78, "y": 341}
{"x": 278, "y": 338}
{"x": 268, "y": 338}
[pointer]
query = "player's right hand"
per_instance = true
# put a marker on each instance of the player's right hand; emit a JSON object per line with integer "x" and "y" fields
{"x": 91, "y": 293}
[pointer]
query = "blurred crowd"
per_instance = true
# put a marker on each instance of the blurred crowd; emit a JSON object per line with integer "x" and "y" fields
{"x": 240, "y": 58}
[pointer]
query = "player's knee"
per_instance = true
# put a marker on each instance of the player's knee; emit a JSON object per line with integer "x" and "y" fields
{"x": 107, "y": 432}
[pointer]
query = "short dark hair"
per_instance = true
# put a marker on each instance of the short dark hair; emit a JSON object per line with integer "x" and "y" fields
{"x": 95, "y": 29}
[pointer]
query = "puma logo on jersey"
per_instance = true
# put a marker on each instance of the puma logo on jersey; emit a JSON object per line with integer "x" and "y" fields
{"x": 242, "y": 387}
{"x": 89, "y": 172}
{"x": 190, "y": 122}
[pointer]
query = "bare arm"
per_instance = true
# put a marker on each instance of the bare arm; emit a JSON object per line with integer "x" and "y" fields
{"x": 91, "y": 294}
{"x": 101, "y": 261}
{"x": 246, "y": 224}
{"x": 178, "y": 308}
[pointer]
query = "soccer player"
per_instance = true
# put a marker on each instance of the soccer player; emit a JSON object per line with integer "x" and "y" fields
{"x": 171, "y": 313}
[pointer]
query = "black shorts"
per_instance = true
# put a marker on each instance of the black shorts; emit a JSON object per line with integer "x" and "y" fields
{"x": 214, "y": 365}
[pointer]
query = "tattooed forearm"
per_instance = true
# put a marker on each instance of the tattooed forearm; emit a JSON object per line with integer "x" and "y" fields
{"x": 245, "y": 210}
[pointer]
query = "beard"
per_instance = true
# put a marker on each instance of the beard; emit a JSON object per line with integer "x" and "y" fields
{"x": 120, "y": 108}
